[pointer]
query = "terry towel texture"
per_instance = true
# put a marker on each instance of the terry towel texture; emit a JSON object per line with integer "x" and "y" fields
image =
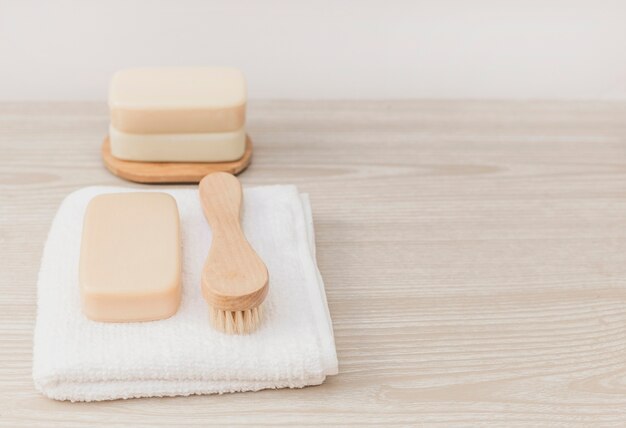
{"x": 81, "y": 360}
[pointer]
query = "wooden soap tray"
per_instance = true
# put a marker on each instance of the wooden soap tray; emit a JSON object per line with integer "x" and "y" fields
{"x": 171, "y": 172}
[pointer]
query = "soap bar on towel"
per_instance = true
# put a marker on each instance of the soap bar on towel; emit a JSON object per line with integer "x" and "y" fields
{"x": 77, "y": 359}
{"x": 197, "y": 147}
{"x": 130, "y": 257}
{"x": 177, "y": 100}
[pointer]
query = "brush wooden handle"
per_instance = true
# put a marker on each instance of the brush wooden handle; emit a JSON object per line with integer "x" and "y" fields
{"x": 234, "y": 277}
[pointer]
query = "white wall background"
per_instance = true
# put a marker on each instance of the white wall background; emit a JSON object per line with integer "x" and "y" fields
{"x": 554, "y": 49}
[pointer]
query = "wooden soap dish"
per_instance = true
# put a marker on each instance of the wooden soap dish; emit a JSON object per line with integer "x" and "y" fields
{"x": 171, "y": 172}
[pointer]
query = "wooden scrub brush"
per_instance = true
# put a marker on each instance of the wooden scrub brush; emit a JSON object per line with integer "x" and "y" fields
{"x": 234, "y": 278}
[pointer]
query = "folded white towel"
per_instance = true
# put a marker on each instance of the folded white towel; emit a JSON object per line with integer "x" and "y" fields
{"x": 81, "y": 360}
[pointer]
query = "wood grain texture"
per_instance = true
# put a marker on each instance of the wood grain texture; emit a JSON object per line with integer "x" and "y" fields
{"x": 474, "y": 255}
{"x": 234, "y": 278}
{"x": 171, "y": 172}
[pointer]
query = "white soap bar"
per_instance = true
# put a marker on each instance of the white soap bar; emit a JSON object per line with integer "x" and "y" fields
{"x": 206, "y": 147}
{"x": 178, "y": 100}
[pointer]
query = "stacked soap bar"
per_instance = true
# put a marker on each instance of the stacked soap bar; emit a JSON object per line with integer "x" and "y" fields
{"x": 179, "y": 114}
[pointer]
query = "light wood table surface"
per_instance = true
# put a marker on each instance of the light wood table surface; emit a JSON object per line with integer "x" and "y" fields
{"x": 474, "y": 255}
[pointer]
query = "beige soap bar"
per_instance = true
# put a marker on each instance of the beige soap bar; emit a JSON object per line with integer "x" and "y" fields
{"x": 130, "y": 258}
{"x": 177, "y": 100}
{"x": 197, "y": 147}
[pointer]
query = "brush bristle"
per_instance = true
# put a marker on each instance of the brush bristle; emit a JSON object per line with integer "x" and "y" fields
{"x": 236, "y": 322}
